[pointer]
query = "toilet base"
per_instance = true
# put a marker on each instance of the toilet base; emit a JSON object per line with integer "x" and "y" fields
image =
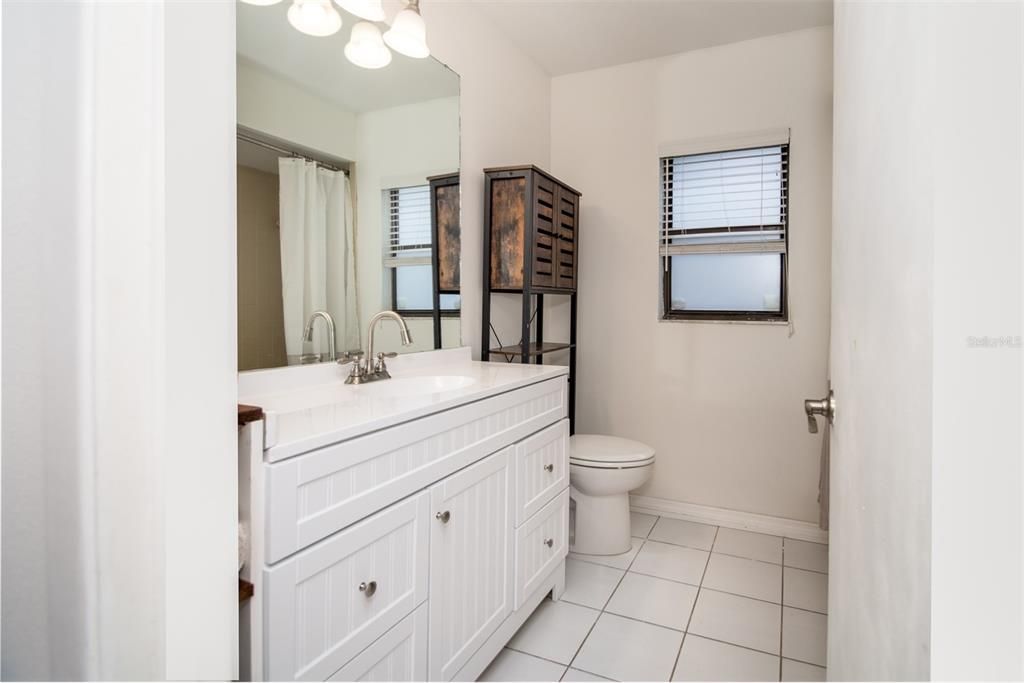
{"x": 602, "y": 524}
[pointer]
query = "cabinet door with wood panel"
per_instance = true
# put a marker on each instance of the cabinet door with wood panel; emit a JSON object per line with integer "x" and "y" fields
{"x": 471, "y": 545}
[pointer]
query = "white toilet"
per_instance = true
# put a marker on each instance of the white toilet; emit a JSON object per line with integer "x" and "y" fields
{"x": 602, "y": 472}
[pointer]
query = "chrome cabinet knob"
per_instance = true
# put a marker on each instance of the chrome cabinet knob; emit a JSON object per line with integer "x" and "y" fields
{"x": 550, "y": 542}
{"x": 549, "y": 468}
{"x": 443, "y": 516}
{"x": 368, "y": 588}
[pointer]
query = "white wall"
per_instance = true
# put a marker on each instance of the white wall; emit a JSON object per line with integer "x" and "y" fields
{"x": 720, "y": 403}
{"x": 977, "y": 486}
{"x": 279, "y": 107}
{"x": 119, "y": 462}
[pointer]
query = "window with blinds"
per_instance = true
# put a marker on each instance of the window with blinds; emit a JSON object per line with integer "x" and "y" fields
{"x": 723, "y": 234}
{"x": 408, "y": 251}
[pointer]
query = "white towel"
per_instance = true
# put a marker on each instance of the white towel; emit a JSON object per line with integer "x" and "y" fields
{"x": 243, "y": 545}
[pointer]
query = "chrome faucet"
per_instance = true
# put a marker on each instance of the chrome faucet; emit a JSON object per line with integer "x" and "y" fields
{"x": 368, "y": 368}
{"x": 307, "y": 334}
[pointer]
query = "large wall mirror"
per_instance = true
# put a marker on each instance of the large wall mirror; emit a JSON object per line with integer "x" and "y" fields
{"x": 348, "y": 196}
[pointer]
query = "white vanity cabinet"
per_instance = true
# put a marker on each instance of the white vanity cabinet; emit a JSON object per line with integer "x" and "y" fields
{"x": 413, "y": 552}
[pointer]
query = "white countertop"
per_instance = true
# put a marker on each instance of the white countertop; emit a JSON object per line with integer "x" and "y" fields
{"x": 310, "y": 407}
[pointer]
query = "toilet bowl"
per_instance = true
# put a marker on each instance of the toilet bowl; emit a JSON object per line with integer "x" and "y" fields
{"x": 602, "y": 472}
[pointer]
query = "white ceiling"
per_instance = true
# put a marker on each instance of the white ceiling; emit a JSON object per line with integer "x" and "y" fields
{"x": 265, "y": 38}
{"x": 565, "y": 36}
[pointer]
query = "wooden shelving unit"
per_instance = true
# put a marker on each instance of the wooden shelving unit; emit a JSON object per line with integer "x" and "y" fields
{"x": 531, "y": 242}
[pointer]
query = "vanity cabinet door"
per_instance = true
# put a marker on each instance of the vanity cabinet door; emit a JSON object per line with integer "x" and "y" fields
{"x": 329, "y": 602}
{"x": 471, "y": 587}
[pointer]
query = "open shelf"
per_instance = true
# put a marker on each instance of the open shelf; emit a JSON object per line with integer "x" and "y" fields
{"x": 534, "y": 349}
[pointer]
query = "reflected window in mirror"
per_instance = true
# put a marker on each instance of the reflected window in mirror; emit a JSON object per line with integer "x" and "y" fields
{"x": 408, "y": 253}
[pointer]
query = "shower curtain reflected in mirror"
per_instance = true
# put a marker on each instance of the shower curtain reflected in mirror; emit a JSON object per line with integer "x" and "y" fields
{"x": 317, "y": 256}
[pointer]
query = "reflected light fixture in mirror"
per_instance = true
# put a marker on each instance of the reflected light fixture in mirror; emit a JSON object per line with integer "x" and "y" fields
{"x": 366, "y": 47}
{"x": 262, "y": 3}
{"x": 371, "y": 10}
{"x": 314, "y": 17}
{"x": 408, "y": 33}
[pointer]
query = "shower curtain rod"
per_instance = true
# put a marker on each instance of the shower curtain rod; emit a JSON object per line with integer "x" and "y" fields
{"x": 290, "y": 152}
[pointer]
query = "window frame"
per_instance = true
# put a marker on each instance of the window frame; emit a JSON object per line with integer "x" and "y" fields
{"x": 393, "y": 277}
{"x": 665, "y": 264}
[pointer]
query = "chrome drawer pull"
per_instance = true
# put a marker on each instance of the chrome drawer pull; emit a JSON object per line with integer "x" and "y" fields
{"x": 444, "y": 516}
{"x": 549, "y": 468}
{"x": 368, "y": 588}
{"x": 550, "y": 542}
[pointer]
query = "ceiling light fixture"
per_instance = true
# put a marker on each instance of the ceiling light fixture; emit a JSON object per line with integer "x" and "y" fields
{"x": 408, "y": 32}
{"x": 314, "y": 17}
{"x": 366, "y": 48}
{"x": 371, "y": 10}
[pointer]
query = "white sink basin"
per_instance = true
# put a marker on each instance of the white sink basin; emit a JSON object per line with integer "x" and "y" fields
{"x": 415, "y": 386}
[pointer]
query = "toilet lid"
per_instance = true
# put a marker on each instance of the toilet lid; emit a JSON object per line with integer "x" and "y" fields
{"x": 599, "y": 449}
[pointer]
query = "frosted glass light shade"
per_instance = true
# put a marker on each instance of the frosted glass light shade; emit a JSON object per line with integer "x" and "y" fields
{"x": 365, "y": 47}
{"x": 408, "y": 34}
{"x": 371, "y": 10}
{"x": 314, "y": 17}
{"x": 261, "y": 2}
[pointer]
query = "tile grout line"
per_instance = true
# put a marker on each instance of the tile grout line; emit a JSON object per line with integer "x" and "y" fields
{"x": 610, "y": 596}
{"x": 782, "y": 602}
{"x": 693, "y": 608}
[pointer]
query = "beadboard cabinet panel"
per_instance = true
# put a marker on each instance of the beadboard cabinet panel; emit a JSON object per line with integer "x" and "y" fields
{"x": 541, "y": 543}
{"x": 542, "y": 469}
{"x": 470, "y": 561}
{"x": 329, "y": 602}
{"x": 398, "y": 655}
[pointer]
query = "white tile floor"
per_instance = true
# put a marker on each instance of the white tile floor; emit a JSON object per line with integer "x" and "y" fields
{"x": 688, "y": 602}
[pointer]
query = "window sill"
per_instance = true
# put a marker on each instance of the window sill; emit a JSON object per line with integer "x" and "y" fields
{"x": 780, "y": 322}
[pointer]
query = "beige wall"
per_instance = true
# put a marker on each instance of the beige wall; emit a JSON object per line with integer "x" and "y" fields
{"x": 721, "y": 403}
{"x": 260, "y": 313}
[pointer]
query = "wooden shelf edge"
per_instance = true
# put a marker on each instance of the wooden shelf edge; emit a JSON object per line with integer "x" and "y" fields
{"x": 247, "y": 414}
{"x": 245, "y": 590}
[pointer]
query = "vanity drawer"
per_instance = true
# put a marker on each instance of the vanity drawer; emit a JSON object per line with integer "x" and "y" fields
{"x": 313, "y": 495}
{"x": 331, "y": 601}
{"x": 542, "y": 469}
{"x": 398, "y": 655}
{"x": 541, "y": 543}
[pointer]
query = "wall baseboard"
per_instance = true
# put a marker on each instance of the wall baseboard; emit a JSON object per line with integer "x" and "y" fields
{"x": 734, "y": 519}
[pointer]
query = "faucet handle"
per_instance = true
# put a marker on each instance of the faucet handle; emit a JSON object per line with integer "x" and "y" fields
{"x": 353, "y": 356}
{"x": 387, "y": 354}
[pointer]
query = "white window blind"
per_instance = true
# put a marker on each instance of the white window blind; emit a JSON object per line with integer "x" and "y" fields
{"x": 407, "y": 210}
{"x": 724, "y": 202}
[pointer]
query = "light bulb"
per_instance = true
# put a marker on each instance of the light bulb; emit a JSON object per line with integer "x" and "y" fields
{"x": 408, "y": 34}
{"x": 261, "y": 2}
{"x": 314, "y": 17}
{"x": 365, "y": 47}
{"x": 371, "y": 10}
